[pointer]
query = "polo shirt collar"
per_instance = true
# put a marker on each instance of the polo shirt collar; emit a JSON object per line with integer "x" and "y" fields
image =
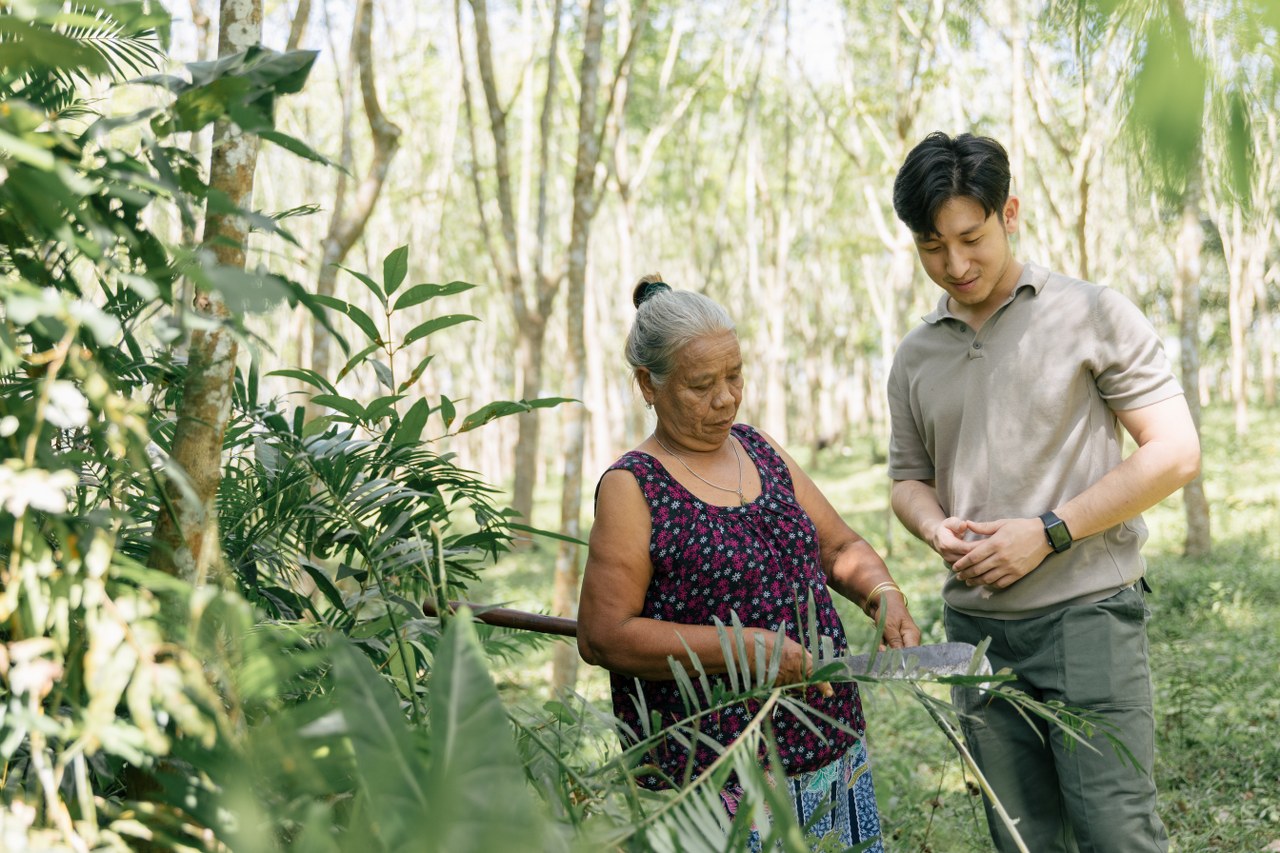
{"x": 1032, "y": 276}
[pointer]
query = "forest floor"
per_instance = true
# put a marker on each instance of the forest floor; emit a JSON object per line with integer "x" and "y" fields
{"x": 1215, "y": 654}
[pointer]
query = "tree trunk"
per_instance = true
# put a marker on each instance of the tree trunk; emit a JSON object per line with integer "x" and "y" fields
{"x": 529, "y": 286}
{"x": 531, "y": 335}
{"x": 1239, "y": 293}
{"x": 1190, "y": 238}
{"x": 1266, "y": 344}
{"x": 752, "y": 239}
{"x": 565, "y": 670}
{"x": 203, "y": 25}
{"x": 775, "y": 321}
{"x": 348, "y": 223}
{"x": 186, "y": 540}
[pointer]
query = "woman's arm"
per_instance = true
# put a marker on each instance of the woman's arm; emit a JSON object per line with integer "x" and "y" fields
{"x": 611, "y": 631}
{"x": 853, "y": 567}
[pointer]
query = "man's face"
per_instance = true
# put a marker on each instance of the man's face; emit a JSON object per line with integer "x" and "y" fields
{"x": 970, "y": 257}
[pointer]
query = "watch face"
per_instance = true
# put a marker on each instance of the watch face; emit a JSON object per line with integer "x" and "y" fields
{"x": 1059, "y": 538}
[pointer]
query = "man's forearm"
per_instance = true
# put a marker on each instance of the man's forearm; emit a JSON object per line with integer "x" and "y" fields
{"x": 1167, "y": 458}
{"x": 1149, "y": 475}
{"x": 915, "y": 502}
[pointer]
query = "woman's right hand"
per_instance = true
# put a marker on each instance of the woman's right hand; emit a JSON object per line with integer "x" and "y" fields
{"x": 796, "y": 664}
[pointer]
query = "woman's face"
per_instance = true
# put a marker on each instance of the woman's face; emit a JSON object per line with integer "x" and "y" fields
{"x": 700, "y": 400}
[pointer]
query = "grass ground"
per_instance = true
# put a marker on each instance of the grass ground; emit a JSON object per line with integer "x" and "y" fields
{"x": 1215, "y": 645}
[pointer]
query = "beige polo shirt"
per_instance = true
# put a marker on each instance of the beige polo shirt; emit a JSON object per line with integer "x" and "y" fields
{"x": 1019, "y": 418}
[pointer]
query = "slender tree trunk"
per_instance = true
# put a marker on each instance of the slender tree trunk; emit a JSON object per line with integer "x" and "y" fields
{"x": 203, "y": 25}
{"x": 775, "y": 321}
{"x": 1019, "y": 136}
{"x": 565, "y": 669}
{"x": 1239, "y": 292}
{"x": 1190, "y": 238}
{"x": 348, "y": 222}
{"x": 1254, "y": 272}
{"x": 752, "y": 225}
{"x": 186, "y": 540}
{"x": 1266, "y": 344}
{"x": 531, "y": 335}
{"x": 530, "y": 287}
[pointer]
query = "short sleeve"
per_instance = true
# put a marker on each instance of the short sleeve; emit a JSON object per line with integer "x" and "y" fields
{"x": 1130, "y": 366}
{"x": 908, "y": 455}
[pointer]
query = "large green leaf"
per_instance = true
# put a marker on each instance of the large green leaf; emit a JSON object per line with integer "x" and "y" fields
{"x": 414, "y": 421}
{"x": 242, "y": 86}
{"x": 24, "y": 44}
{"x": 368, "y": 282}
{"x": 432, "y": 326}
{"x": 479, "y": 800}
{"x": 394, "y": 268}
{"x": 310, "y": 377}
{"x": 244, "y": 291}
{"x": 297, "y": 146}
{"x": 358, "y": 316}
{"x": 420, "y": 293}
{"x": 391, "y": 769}
{"x": 502, "y": 408}
{"x": 348, "y": 407}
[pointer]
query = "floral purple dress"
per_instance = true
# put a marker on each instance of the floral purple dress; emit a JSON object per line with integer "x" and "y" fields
{"x": 760, "y": 561}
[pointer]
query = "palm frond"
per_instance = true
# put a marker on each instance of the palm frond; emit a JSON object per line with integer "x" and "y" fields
{"x": 49, "y": 60}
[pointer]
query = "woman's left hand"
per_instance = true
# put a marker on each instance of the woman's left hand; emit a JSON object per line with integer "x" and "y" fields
{"x": 900, "y": 630}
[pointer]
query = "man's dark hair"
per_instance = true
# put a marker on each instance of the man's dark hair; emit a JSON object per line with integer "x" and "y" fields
{"x": 941, "y": 168}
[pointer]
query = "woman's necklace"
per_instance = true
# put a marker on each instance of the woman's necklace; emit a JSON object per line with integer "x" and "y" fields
{"x": 742, "y": 500}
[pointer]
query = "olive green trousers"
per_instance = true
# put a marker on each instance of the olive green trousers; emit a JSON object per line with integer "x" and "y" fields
{"x": 1063, "y": 795}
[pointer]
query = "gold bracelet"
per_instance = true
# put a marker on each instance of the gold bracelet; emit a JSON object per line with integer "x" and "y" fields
{"x": 878, "y": 589}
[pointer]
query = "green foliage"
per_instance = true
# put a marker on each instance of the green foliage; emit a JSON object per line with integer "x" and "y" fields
{"x": 1182, "y": 67}
{"x": 131, "y": 702}
{"x": 1168, "y": 102}
{"x": 119, "y": 38}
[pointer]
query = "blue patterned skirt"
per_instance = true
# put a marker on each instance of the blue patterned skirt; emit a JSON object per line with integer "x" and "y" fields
{"x": 843, "y": 788}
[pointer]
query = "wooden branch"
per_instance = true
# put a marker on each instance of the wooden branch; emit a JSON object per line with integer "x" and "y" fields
{"x": 827, "y": 119}
{"x": 486, "y": 231}
{"x": 506, "y": 617}
{"x": 672, "y": 117}
{"x": 920, "y": 59}
{"x": 346, "y": 227}
{"x": 561, "y": 55}
{"x": 298, "y": 26}
{"x": 721, "y": 214}
{"x": 201, "y": 20}
{"x": 620, "y": 75}
{"x": 502, "y": 154}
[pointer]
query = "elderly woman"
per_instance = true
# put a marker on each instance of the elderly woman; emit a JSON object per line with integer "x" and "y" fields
{"x": 707, "y": 518}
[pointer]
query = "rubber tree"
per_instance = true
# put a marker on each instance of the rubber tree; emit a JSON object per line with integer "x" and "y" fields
{"x": 519, "y": 250}
{"x": 186, "y": 540}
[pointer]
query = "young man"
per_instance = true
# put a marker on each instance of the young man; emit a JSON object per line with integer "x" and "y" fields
{"x": 1006, "y": 405}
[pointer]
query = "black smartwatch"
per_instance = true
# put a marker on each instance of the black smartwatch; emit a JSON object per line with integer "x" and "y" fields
{"x": 1055, "y": 530}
